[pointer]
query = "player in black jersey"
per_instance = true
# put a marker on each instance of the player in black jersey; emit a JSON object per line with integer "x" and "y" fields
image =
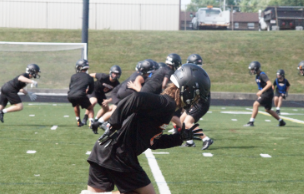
{"x": 282, "y": 86}
{"x": 9, "y": 91}
{"x": 137, "y": 78}
{"x": 104, "y": 83}
{"x": 137, "y": 125}
{"x": 265, "y": 94}
{"x": 81, "y": 84}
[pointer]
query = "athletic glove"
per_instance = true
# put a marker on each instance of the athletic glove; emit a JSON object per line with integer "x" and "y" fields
{"x": 109, "y": 134}
{"x": 34, "y": 84}
{"x": 189, "y": 134}
{"x": 32, "y": 96}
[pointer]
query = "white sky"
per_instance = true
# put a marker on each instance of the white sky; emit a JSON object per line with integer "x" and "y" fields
{"x": 184, "y": 2}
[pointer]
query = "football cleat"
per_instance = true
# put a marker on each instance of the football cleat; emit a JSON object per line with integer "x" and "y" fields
{"x": 282, "y": 123}
{"x": 104, "y": 126}
{"x": 1, "y": 116}
{"x": 85, "y": 119}
{"x": 94, "y": 126}
{"x": 188, "y": 145}
{"x": 278, "y": 112}
{"x": 207, "y": 143}
{"x": 249, "y": 124}
{"x": 79, "y": 123}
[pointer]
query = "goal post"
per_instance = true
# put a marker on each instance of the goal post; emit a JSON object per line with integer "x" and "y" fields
{"x": 56, "y": 61}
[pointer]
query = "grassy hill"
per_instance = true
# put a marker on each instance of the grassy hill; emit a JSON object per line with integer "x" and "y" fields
{"x": 226, "y": 54}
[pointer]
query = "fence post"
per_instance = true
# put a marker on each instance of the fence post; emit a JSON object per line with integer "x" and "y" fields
{"x": 276, "y": 13}
{"x": 232, "y": 18}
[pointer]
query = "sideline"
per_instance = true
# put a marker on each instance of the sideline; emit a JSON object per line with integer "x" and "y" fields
{"x": 158, "y": 176}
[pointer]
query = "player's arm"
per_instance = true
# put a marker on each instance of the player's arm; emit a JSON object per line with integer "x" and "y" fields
{"x": 274, "y": 84}
{"x": 26, "y": 80}
{"x": 93, "y": 75}
{"x": 165, "y": 81}
{"x": 91, "y": 86}
{"x": 137, "y": 84}
{"x": 23, "y": 91}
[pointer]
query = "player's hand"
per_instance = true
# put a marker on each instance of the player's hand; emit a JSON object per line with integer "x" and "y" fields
{"x": 189, "y": 134}
{"x": 34, "y": 84}
{"x": 131, "y": 85}
{"x": 32, "y": 96}
{"x": 109, "y": 134}
{"x": 259, "y": 93}
{"x": 105, "y": 103}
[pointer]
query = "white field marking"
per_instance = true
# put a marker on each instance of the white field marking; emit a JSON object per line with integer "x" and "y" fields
{"x": 47, "y": 104}
{"x": 88, "y": 152}
{"x": 236, "y": 112}
{"x": 36, "y": 132}
{"x": 54, "y": 127}
{"x": 207, "y": 154}
{"x": 171, "y": 130}
{"x": 158, "y": 176}
{"x": 32, "y": 115}
{"x": 54, "y": 104}
{"x": 209, "y": 112}
{"x": 160, "y": 152}
{"x": 66, "y": 116}
{"x": 268, "y": 120}
{"x": 286, "y": 113}
{"x": 233, "y": 119}
{"x": 36, "y": 174}
{"x": 201, "y": 119}
{"x": 223, "y": 108}
{"x": 295, "y": 109}
{"x": 31, "y": 151}
{"x": 286, "y": 118}
{"x": 265, "y": 155}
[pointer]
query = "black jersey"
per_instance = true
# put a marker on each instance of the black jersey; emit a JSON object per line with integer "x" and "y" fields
{"x": 141, "y": 119}
{"x": 261, "y": 80}
{"x": 15, "y": 85}
{"x": 79, "y": 84}
{"x": 154, "y": 84}
{"x": 124, "y": 90}
{"x": 103, "y": 84}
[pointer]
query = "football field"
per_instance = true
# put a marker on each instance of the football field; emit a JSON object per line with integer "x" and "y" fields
{"x": 43, "y": 151}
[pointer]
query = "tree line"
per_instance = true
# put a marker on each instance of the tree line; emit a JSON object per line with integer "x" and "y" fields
{"x": 242, "y": 5}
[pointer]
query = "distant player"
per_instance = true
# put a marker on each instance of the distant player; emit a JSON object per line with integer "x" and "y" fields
{"x": 104, "y": 84}
{"x": 81, "y": 84}
{"x": 9, "y": 91}
{"x": 282, "y": 86}
{"x": 193, "y": 114}
{"x": 265, "y": 94}
{"x": 301, "y": 68}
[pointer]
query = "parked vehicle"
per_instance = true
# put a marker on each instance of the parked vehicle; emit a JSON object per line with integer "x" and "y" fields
{"x": 210, "y": 18}
{"x": 285, "y": 17}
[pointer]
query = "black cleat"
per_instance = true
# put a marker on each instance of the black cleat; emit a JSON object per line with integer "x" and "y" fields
{"x": 85, "y": 119}
{"x": 207, "y": 143}
{"x": 249, "y": 124}
{"x": 1, "y": 116}
{"x": 278, "y": 112}
{"x": 79, "y": 123}
{"x": 188, "y": 145}
{"x": 282, "y": 123}
{"x": 94, "y": 126}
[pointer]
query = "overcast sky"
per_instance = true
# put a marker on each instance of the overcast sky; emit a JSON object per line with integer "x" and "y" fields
{"x": 183, "y": 3}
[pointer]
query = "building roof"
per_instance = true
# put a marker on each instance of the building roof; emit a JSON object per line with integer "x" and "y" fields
{"x": 244, "y": 17}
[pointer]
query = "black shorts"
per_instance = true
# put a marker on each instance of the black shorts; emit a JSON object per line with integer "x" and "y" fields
{"x": 198, "y": 110}
{"x": 11, "y": 97}
{"x": 277, "y": 94}
{"x": 84, "y": 102}
{"x": 178, "y": 112}
{"x": 100, "y": 97}
{"x": 105, "y": 179}
{"x": 266, "y": 101}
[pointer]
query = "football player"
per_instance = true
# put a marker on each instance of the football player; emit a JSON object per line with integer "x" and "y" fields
{"x": 282, "y": 86}
{"x": 301, "y": 68}
{"x": 104, "y": 83}
{"x": 81, "y": 84}
{"x": 138, "y": 124}
{"x": 265, "y": 94}
{"x": 137, "y": 78}
{"x": 9, "y": 91}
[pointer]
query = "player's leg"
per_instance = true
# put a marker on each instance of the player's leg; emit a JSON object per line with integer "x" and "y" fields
{"x": 279, "y": 104}
{"x": 255, "y": 109}
{"x": 93, "y": 101}
{"x": 189, "y": 121}
{"x": 274, "y": 114}
{"x": 77, "y": 114}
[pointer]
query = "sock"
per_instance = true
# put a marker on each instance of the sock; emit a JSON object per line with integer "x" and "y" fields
{"x": 101, "y": 120}
{"x": 280, "y": 119}
{"x": 96, "y": 118}
{"x": 4, "y": 111}
{"x": 91, "y": 119}
{"x": 77, "y": 118}
{"x": 278, "y": 108}
{"x": 251, "y": 120}
{"x": 206, "y": 139}
{"x": 190, "y": 142}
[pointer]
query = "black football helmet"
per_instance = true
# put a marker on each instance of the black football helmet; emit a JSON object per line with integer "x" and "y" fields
{"x": 145, "y": 67}
{"x": 33, "y": 70}
{"x": 154, "y": 64}
{"x": 196, "y": 59}
{"x": 115, "y": 69}
{"x": 281, "y": 73}
{"x": 82, "y": 64}
{"x": 301, "y": 68}
{"x": 138, "y": 65}
{"x": 161, "y": 64}
{"x": 174, "y": 60}
{"x": 254, "y": 65}
{"x": 193, "y": 82}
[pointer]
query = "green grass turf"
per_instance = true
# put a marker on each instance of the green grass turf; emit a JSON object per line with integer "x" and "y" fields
{"x": 236, "y": 166}
{"x": 226, "y": 54}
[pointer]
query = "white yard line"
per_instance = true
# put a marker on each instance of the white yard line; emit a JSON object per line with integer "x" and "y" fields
{"x": 158, "y": 176}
